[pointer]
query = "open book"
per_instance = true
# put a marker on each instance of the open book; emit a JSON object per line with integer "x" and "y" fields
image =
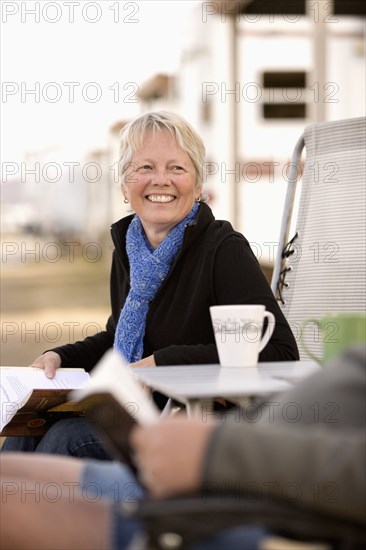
{"x": 30, "y": 402}
{"x": 110, "y": 398}
{"x": 114, "y": 402}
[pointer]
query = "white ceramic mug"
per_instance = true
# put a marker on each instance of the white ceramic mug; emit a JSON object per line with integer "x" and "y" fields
{"x": 238, "y": 333}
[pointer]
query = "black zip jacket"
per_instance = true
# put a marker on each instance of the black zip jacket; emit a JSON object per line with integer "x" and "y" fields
{"x": 215, "y": 266}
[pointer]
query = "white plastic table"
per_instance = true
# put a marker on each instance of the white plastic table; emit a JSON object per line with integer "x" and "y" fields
{"x": 198, "y": 385}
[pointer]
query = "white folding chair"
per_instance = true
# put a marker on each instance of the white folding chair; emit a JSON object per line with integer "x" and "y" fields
{"x": 321, "y": 269}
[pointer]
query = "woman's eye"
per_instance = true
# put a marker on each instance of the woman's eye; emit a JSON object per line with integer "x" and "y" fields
{"x": 177, "y": 168}
{"x": 145, "y": 167}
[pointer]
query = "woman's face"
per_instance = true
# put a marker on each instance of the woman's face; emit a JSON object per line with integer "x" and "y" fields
{"x": 160, "y": 184}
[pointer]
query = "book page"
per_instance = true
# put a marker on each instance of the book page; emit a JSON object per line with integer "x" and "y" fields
{"x": 17, "y": 383}
{"x": 114, "y": 376}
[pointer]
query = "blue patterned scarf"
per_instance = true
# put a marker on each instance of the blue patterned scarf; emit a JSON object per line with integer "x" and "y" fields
{"x": 148, "y": 269}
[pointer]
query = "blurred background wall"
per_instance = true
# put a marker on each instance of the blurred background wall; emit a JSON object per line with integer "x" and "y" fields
{"x": 249, "y": 75}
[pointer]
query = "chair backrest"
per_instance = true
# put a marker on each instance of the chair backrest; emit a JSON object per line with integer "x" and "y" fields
{"x": 323, "y": 269}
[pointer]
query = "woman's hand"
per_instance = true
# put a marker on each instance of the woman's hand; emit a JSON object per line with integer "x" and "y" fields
{"x": 170, "y": 454}
{"x": 145, "y": 362}
{"x": 49, "y": 361}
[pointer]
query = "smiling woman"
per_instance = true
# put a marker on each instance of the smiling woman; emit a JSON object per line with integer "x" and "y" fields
{"x": 172, "y": 261}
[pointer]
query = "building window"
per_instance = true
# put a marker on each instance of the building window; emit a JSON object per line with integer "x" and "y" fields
{"x": 349, "y": 7}
{"x": 284, "y": 94}
{"x": 298, "y": 7}
{"x": 281, "y": 79}
{"x": 280, "y": 7}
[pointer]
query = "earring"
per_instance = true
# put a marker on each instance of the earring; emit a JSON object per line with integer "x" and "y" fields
{"x": 125, "y": 200}
{"x": 198, "y": 199}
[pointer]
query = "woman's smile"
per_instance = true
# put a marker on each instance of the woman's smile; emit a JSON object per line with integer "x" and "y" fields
{"x": 160, "y": 198}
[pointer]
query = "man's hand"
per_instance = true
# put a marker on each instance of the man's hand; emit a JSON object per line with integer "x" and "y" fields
{"x": 49, "y": 361}
{"x": 170, "y": 454}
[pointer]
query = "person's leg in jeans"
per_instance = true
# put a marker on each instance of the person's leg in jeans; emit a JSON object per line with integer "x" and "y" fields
{"x": 69, "y": 437}
{"x": 21, "y": 444}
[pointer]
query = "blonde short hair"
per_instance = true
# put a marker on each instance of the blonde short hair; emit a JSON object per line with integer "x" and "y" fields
{"x": 132, "y": 136}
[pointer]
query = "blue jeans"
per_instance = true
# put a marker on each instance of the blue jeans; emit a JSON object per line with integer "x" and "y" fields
{"x": 68, "y": 437}
{"x": 115, "y": 482}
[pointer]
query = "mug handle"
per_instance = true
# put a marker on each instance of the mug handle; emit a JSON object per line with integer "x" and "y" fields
{"x": 303, "y": 326}
{"x": 269, "y": 330}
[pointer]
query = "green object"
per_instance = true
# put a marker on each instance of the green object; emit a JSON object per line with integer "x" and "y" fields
{"x": 338, "y": 331}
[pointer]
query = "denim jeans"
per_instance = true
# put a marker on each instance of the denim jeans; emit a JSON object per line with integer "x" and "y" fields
{"x": 68, "y": 437}
{"x": 115, "y": 482}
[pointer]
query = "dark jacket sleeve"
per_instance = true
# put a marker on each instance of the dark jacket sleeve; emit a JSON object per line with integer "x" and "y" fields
{"x": 322, "y": 471}
{"x": 307, "y": 444}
